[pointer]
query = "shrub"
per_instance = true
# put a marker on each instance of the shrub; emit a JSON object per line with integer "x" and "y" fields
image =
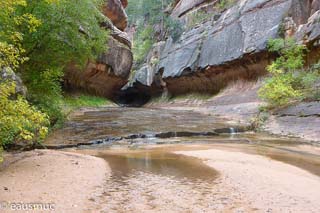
{"x": 197, "y": 17}
{"x": 289, "y": 82}
{"x": 279, "y": 90}
{"x": 44, "y": 91}
{"x": 225, "y": 4}
{"x": 19, "y": 122}
{"x": 142, "y": 44}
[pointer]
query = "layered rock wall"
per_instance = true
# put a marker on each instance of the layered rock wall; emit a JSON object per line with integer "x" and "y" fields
{"x": 230, "y": 45}
{"x": 110, "y": 72}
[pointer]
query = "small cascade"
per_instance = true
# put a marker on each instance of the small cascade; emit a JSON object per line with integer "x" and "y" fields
{"x": 232, "y": 131}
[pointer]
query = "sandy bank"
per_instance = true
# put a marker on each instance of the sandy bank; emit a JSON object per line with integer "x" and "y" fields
{"x": 269, "y": 186}
{"x": 69, "y": 181}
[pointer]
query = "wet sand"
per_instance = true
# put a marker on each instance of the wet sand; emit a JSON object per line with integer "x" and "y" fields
{"x": 208, "y": 178}
{"x": 202, "y": 178}
{"x": 266, "y": 184}
{"x": 69, "y": 181}
{"x": 245, "y": 172}
{"x": 161, "y": 181}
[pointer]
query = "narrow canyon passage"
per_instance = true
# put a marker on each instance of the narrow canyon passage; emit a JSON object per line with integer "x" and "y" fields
{"x": 160, "y": 106}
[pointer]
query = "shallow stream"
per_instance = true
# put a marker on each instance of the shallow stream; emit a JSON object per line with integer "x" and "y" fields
{"x": 146, "y": 174}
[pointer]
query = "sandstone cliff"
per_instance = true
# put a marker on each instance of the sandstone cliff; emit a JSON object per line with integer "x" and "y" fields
{"x": 230, "y": 44}
{"x": 111, "y": 70}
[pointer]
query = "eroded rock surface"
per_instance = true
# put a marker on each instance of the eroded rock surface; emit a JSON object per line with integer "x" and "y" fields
{"x": 230, "y": 45}
{"x": 114, "y": 10}
{"x": 110, "y": 72}
{"x": 183, "y": 6}
{"x": 302, "y": 120}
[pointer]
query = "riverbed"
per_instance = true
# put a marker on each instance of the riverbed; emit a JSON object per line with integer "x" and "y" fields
{"x": 158, "y": 160}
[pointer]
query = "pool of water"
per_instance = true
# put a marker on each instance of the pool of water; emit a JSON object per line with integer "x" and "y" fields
{"x": 147, "y": 175}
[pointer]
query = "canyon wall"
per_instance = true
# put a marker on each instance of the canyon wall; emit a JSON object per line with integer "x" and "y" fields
{"x": 230, "y": 44}
{"x": 109, "y": 73}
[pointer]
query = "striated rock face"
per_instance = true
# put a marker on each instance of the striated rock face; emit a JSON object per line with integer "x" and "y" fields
{"x": 231, "y": 45}
{"x": 114, "y": 10}
{"x": 110, "y": 72}
{"x": 315, "y": 6}
{"x": 303, "y": 120}
{"x": 309, "y": 33}
{"x": 184, "y": 6}
{"x": 105, "y": 76}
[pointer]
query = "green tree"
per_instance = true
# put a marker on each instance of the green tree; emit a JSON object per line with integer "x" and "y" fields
{"x": 142, "y": 44}
{"x": 11, "y": 51}
{"x": 141, "y": 11}
{"x": 69, "y": 32}
{"x": 145, "y": 15}
{"x": 39, "y": 38}
{"x": 18, "y": 120}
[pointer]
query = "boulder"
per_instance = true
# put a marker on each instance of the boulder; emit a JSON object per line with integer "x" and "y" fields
{"x": 119, "y": 58}
{"x": 7, "y": 74}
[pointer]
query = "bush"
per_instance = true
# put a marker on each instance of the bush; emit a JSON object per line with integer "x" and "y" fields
{"x": 19, "y": 122}
{"x": 279, "y": 90}
{"x": 44, "y": 91}
{"x": 197, "y": 17}
{"x": 225, "y": 4}
{"x": 289, "y": 82}
{"x": 38, "y": 39}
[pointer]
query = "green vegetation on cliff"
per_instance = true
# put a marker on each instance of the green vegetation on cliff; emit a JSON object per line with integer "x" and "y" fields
{"x": 290, "y": 81}
{"x": 224, "y": 4}
{"x": 38, "y": 39}
{"x": 152, "y": 23}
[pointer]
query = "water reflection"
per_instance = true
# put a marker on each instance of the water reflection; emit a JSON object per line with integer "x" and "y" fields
{"x": 160, "y": 163}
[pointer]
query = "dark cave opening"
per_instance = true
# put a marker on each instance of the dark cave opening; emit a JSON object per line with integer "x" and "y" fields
{"x": 131, "y": 97}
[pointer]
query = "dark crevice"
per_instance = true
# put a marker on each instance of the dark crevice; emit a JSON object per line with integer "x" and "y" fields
{"x": 300, "y": 116}
{"x": 131, "y": 97}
